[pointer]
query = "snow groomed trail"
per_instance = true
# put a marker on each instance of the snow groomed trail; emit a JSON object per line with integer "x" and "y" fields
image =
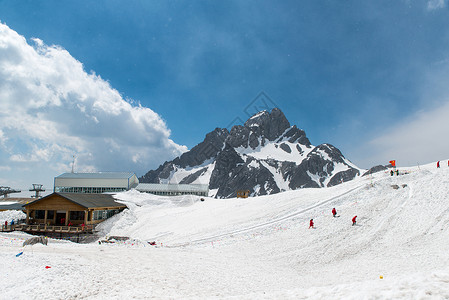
{"x": 268, "y": 223}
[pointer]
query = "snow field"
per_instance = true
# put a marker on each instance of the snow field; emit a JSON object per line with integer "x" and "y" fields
{"x": 255, "y": 248}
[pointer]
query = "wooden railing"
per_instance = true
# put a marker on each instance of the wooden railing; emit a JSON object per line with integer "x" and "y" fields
{"x": 47, "y": 228}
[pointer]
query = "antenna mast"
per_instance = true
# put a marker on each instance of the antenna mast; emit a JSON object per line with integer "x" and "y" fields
{"x": 73, "y": 164}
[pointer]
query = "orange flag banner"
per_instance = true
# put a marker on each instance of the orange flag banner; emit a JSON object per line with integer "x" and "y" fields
{"x": 393, "y": 163}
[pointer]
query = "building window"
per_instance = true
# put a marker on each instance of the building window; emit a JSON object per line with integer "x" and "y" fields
{"x": 39, "y": 214}
{"x": 89, "y": 190}
{"x": 98, "y": 215}
{"x": 77, "y": 215}
{"x": 50, "y": 214}
{"x": 104, "y": 214}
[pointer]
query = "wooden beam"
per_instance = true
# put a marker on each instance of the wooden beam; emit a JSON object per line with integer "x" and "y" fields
{"x": 85, "y": 217}
{"x": 67, "y": 214}
{"x": 45, "y": 217}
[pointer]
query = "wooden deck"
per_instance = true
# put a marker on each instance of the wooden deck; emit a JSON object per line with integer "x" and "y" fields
{"x": 47, "y": 228}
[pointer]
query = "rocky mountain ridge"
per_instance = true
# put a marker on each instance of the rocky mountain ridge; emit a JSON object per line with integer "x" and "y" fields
{"x": 266, "y": 155}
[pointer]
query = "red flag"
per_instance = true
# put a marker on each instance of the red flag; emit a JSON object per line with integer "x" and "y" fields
{"x": 393, "y": 163}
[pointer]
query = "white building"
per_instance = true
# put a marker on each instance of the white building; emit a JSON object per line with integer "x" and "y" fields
{"x": 174, "y": 189}
{"x": 101, "y": 182}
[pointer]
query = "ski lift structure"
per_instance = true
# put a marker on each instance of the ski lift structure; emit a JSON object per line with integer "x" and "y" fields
{"x": 6, "y": 190}
{"x": 37, "y": 188}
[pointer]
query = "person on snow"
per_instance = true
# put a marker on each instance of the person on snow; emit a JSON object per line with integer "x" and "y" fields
{"x": 334, "y": 212}
{"x": 397, "y": 172}
{"x": 354, "y": 221}
{"x": 311, "y": 223}
{"x": 438, "y": 164}
{"x": 391, "y": 172}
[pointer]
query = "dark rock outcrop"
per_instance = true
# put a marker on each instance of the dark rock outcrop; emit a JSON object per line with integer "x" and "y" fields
{"x": 375, "y": 169}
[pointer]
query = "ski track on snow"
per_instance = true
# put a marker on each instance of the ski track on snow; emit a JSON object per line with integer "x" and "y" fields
{"x": 271, "y": 222}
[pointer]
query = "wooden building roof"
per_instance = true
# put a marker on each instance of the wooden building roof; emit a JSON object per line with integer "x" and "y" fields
{"x": 86, "y": 200}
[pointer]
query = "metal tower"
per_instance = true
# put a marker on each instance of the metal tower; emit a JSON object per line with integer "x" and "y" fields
{"x": 37, "y": 188}
{"x": 5, "y": 190}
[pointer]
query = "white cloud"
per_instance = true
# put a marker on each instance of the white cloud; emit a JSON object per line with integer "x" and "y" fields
{"x": 52, "y": 109}
{"x": 435, "y": 4}
{"x": 422, "y": 139}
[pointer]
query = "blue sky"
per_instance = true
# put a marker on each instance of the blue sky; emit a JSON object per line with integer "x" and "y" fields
{"x": 357, "y": 74}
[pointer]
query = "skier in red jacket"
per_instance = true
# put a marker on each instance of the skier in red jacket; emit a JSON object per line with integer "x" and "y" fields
{"x": 353, "y": 220}
{"x": 311, "y": 223}
{"x": 334, "y": 212}
{"x": 438, "y": 164}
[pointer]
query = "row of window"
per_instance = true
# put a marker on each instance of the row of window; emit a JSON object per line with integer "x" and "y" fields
{"x": 100, "y": 190}
{"x": 88, "y": 190}
{"x": 177, "y": 193}
{"x": 74, "y": 215}
{"x": 104, "y": 214}
{"x": 40, "y": 214}
{"x": 77, "y": 215}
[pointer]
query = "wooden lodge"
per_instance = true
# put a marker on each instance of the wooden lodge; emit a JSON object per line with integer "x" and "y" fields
{"x": 69, "y": 212}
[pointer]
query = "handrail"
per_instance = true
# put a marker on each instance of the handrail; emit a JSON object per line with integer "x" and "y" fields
{"x": 47, "y": 228}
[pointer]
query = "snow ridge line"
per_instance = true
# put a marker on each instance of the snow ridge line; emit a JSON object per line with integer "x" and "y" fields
{"x": 290, "y": 216}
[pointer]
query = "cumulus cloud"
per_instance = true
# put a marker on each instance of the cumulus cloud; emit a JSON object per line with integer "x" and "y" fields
{"x": 52, "y": 109}
{"x": 421, "y": 139}
{"x": 435, "y": 4}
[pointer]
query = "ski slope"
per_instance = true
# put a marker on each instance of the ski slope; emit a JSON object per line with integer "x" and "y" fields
{"x": 255, "y": 248}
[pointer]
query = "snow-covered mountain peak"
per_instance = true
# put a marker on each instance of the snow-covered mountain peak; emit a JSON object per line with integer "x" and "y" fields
{"x": 266, "y": 155}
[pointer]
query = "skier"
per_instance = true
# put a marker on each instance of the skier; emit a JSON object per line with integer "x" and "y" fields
{"x": 353, "y": 220}
{"x": 397, "y": 172}
{"x": 334, "y": 212}
{"x": 438, "y": 164}
{"x": 311, "y": 223}
{"x": 391, "y": 172}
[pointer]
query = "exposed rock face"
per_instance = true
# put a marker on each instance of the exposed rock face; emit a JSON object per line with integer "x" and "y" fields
{"x": 375, "y": 169}
{"x": 266, "y": 155}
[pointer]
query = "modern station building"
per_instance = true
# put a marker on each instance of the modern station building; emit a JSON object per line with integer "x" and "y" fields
{"x": 95, "y": 183}
{"x": 114, "y": 182}
{"x": 174, "y": 189}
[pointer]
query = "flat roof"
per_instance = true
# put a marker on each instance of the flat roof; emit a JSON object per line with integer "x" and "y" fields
{"x": 98, "y": 175}
{"x": 160, "y": 187}
{"x": 10, "y": 206}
